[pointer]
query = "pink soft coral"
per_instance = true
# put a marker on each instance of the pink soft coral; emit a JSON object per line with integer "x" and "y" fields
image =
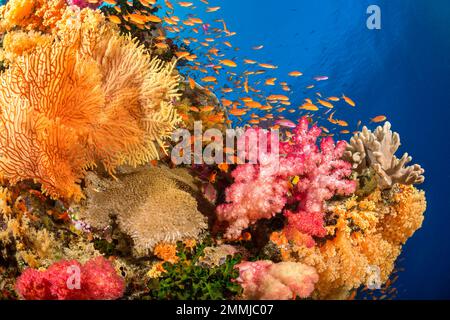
{"x": 259, "y": 190}
{"x": 264, "y": 280}
{"x": 98, "y": 281}
{"x": 263, "y": 190}
{"x": 324, "y": 176}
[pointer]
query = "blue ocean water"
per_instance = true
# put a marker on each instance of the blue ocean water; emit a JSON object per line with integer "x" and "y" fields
{"x": 401, "y": 71}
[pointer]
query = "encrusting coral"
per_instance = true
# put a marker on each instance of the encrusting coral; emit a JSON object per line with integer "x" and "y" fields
{"x": 91, "y": 96}
{"x": 377, "y": 150}
{"x": 148, "y": 204}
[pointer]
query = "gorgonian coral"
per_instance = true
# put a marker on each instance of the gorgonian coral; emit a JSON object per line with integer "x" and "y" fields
{"x": 377, "y": 150}
{"x": 262, "y": 190}
{"x": 91, "y": 96}
{"x": 97, "y": 280}
{"x": 265, "y": 280}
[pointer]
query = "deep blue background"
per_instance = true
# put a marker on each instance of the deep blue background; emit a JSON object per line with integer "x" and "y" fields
{"x": 402, "y": 71}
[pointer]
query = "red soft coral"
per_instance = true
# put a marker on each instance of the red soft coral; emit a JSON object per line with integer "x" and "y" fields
{"x": 263, "y": 190}
{"x": 98, "y": 281}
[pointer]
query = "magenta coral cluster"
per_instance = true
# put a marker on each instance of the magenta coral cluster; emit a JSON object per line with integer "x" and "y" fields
{"x": 98, "y": 281}
{"x": 264, "y": 189}
{"x": 265, "y": 280}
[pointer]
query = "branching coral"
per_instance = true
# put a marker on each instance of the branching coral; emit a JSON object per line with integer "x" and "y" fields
{"x": 262, "y": 190}
{"x": 377, "y": 150}
{"x": 90, "y": 97}
{"x": 149, "y": 206}
{"x": 264, "y": 280}
{"x": 98, "y": 280}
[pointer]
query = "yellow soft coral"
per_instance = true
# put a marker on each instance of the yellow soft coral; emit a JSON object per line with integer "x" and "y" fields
{"x": 18, "y": 43}
{"x": 90, "y": 96}
{"x": 364, "y": 243}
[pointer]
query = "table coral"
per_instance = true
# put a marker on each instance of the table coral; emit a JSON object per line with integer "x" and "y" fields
{"x": 92, "y": 96}
{"x": 265, "y": 280}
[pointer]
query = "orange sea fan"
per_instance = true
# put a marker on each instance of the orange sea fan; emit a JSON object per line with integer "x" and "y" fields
{"x": 48, "y": 100}
{"x": 84, "y": 97}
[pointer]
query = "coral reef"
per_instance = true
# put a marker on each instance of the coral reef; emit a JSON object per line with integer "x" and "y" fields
{"x": 377, "y": 150}
{"x": 265, "y": 280}
{"x": 89, "y": 97}
{"x": 97, "y": 281}
{"x": 187, "y": 279}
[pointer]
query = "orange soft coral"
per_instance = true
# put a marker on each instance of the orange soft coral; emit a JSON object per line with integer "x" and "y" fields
{"x": 18, "y": 43}
{"x": 31, "y": 14}
{"x": 166, "y": 251}
{"x": 367, "y": 236}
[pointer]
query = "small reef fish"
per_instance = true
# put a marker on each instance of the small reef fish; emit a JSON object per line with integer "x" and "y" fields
{"x": 378, "y": 119}
{"x": 295, "y": 74}
{"x": 325, "y": 103}
{"x": 228, "y": 63}
{"x": 349, "y": 101}
{"x": 286, "y": 123}
{"x": 321, "y": 78}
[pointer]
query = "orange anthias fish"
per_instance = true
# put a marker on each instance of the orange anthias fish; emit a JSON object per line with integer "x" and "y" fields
{"x": 349, "y": 101}
{"x": 325, "y": 104}
{"x": 295, "y": 74}
{"x": 228, "y": 63}
{"x": 378, "y": 119}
